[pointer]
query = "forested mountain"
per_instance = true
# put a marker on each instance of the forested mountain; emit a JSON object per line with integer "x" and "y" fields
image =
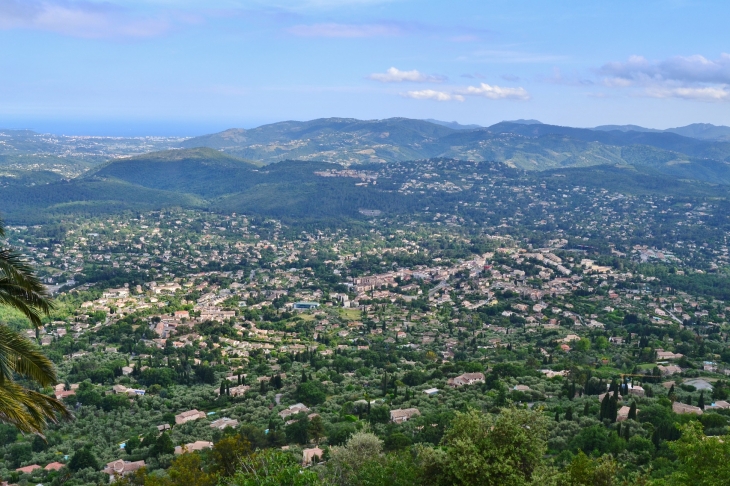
{"x": 699, "y": 151}
{"x": 297, "y": 190}
{"x": 702, "y": 131}
{"x": 525, "y": 144}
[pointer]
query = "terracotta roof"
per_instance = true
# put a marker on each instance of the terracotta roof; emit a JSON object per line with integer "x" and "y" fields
{"x": 123, "y": 467}
{"x": 28, "y": 469}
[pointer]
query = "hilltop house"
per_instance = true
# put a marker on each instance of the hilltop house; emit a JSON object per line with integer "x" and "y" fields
{"x": 196, "y": 446}
{"x": 399, "y": 415}
{"x": 684, "y": 408}
{"x": 308, "y": 455}
{"x": 224, "y": 422}
{"x": 188, "y": 416}
{"x": 121, "y": 468}
{"x": 293, "y": 410}
{"x": 466, "y": 379}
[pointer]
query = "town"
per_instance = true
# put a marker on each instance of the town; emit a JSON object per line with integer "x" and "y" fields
{"x": 175, "y": 328}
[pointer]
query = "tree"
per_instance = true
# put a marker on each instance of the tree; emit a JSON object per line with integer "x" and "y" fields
{"x": 583, "y": 345}
{"x": 316, "y": 428}
{"x": 163, "y": 445}
{"x": 30, "y": 411}
{"x": 569, "y": 413}
{"x": 379, "y": 415}
{"x": 311, "y": 393}
{"x": 395, "y": 469}
{"x": 632, "y": 411}
{"x": 132, "y": 445}
{"x": 592, "y": 472}
{"x": 701, "y": 401}
{"x": 185, "y": 470}
{"x": 82, "y": 459}
{"x": 20, "y": 289}
{"x": 298, "y": 431}
{"x": 227, "y": 453}
{"x": 345, "y": 462}
{"x": 273, "y": 468}
{"x": 397, "y": 441}
{"x": 701, "y": 460}
{"x": 490, "y": 450}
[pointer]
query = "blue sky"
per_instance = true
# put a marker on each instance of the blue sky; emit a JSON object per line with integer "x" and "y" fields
{"x": 189, "y": 67}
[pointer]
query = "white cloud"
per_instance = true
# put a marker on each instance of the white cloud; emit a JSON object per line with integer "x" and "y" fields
{"x": 483, "y": 90}
{"x": 694, "y": 78}
{"x": 77, "y": 19}
{"x": 394, "y": 75}
{"x": 709, "y": 94}
{"x": 351, "y": 31}
{"x": 495, "y": 92}
{"x": 689, "y": 69}
{"x": 430, "y": 94}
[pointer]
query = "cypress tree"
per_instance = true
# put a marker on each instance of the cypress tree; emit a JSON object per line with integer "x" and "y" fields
{"x": 605, "y": 407}
{"x": 618, "y": 429}
{"x": 701, "y": 402}
{"x": 222, "y": 390}
{"x": 632, "y": 411}
{"x": 613, "y": 407}
{"x": 569, "y": 414}
{"x": 557, "y": 416}
{"x": 586, "y": 409}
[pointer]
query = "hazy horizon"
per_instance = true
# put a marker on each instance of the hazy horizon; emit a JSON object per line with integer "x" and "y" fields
{"x": 166, "y": 128}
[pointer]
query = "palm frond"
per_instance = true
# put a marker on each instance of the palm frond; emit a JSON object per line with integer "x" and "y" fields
{"x": 9, "y": 297}
{"x": 21, "y": 356}
{"x": 28, "y": 410}
{"x": 19, "y": 270}
{"x": 18, "y": 280}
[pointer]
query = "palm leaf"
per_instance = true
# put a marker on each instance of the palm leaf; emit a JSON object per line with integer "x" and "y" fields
{"x": 28, "y": 410}
{"x": 19, "y": 355}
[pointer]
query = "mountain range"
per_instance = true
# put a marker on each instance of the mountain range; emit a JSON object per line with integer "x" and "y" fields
{"x": 524, "y": 144}
{"x": 276, "y": 170}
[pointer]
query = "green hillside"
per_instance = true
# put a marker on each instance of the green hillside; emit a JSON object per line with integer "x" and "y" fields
{"x": 296, "y": 190}
{"x": 201, "y": 171}
{"x": 533, "y": 146}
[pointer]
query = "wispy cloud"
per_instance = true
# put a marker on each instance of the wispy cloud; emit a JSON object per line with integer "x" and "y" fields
{"x": 695, "y": 78}
{"x": 78, "y": 19}
{"x": 695, "y": 94}
{"x": 494, "y": 92}
{"x": 571, "y": 79}
{"x": 430, "y": 94}
{"x": 510, "y": 56}
{"x": 395, "y": 75}
{"x": 337, "y": 30}
{"x": 484, "y": 90}
{"x": 690, "y": 69}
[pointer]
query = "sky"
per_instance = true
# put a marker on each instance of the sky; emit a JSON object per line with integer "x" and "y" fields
{"x": 183, "y": 67}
